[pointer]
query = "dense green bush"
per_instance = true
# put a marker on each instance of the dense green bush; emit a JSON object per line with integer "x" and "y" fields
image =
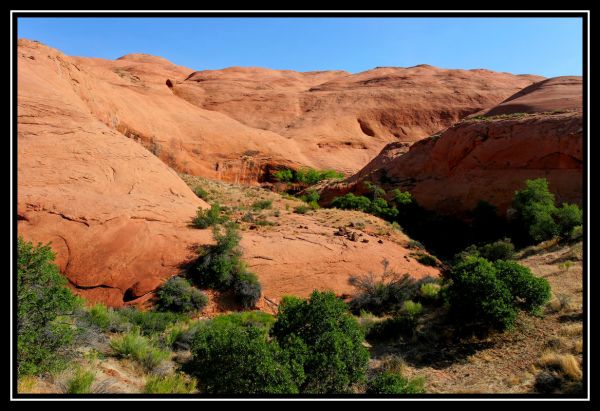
{"x": 210, "y": 217}
{"x": 530, "y": 292}
{"x": 320, "y": 334}
{"x": 247, "y": 289}
{"x": 498, "y": 250}
{"x": 306, "y": 176}
{"x": 401, "y": 198}
{"x": 177, "y": 294}
{"x": 381, "y": 208}
{"x": 352, "y": 202}
{"x": 477, "y": 296}
{"x": 44, "y": 334}
{"x": 538, "y": 215}
{"x": 231, "y": 359}
{"x": 310, "y": 176}
{"x": 388, "y": 382}
{"x": 311, "y": 196}
{"x": 568, "y": 217}
{"x": 284, "y": 176}
{"x": 219, "y": 264}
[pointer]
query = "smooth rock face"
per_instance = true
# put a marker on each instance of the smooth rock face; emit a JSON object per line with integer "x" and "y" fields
{"x": 115, "y": 214}
{"x": 490, "y": 158}
{"x": 340, "y": 120}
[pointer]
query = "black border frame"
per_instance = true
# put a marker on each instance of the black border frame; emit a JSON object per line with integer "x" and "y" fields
{"x": 15, "y": 15}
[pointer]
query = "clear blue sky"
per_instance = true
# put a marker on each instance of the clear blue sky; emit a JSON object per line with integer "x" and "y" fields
{"x": 545, "y": 46}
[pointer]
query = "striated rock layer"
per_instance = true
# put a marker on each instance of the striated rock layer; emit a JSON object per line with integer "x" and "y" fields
{"x": 538, "y": 132}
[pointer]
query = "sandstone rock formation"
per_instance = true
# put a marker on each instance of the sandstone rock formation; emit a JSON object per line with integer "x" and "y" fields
{"x": 236, "y": 124}
{"x": 115, "y": 214}
{"x": 538, "y": 132}
{"x": 340, "y": 120}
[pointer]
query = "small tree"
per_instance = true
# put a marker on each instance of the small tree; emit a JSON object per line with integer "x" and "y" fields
{"x": 220, "y": 263}
{"x": 535, "y": 207}
{"x": 232, "y": 359}
{"x": 43, "y": 301}
{"x": 530, "y": 292}
{"x": 568, "y": 217}
{"x": 325, "y": 338}
{"x": 477, "y": 296}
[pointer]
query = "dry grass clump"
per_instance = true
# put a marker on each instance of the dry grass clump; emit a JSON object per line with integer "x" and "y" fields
{"x": 561, "y": 374}
{"x": 572, "y": 330}
{"x": 566, "y": 364}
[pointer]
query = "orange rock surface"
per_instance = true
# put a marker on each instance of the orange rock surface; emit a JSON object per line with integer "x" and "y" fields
{"x": 538, "y": 132}
{"x": 116, "y": 215}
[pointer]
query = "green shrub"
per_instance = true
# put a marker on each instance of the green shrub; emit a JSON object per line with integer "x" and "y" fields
{"x": 247, "y": 289}
{"x": 321, "y": 335}
{"x": 477, "y": 296}
{"x": 401, "y": 198}
{"x": 44, "y": 302}
{"x": 498, "y": 250}
{"x": 284, "y": 176}
{"x": 413, "y": 244}
{"x": 149, "y": 322}
{"x": 576, "y": 233}
{"x": 262, "y": 204}
{"x": 352, "y": 202}
{"x": 170, "y": 384}
{"x": 535, "y": 207}
{"x": 430, "y": 291}
{"x": 177, "y": 294}
{"x": 81, "y": 381}
{"x": 210, "y": 217}
{"x": 247, "y": 362}
{"x": 531, "y": 292}
{"x": 311, "y": 196}
{"x": 412, "y": 308}
{"x": 568, "y": 217}
{"x": 375, "y": 190}
{"x": 302, "y": 209}
{"x": 381, "y": 208}
{"x": 220, "y": 263}
{"x": 106, "y": 319}
{"x": 310, "y": 176}
{"x": 139, "y": 348}
{"x": 200, "y": 192}
{"x": 388, "y": 382}
{"x": 426, "y": 259}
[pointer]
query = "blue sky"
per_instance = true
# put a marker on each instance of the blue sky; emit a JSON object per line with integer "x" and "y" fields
{"x": 545, "y": 46}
